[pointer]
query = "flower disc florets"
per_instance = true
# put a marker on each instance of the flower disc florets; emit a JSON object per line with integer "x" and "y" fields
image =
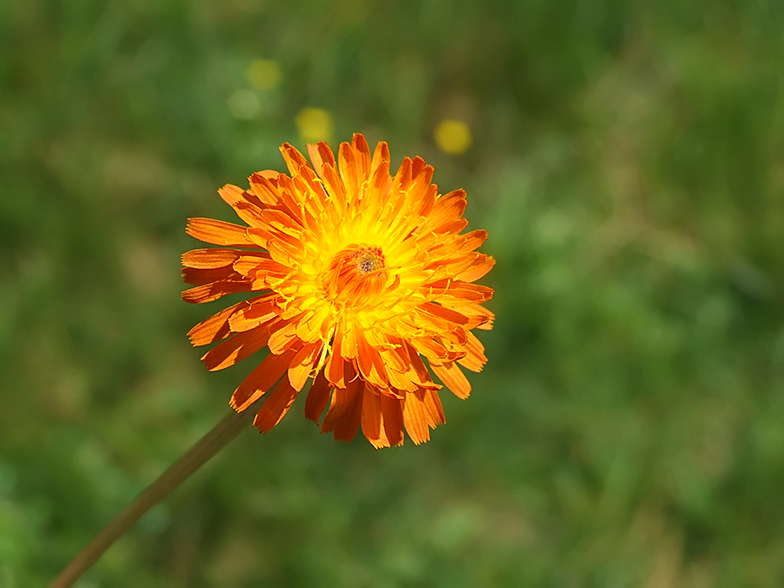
{"x": 358, "y": 276}
{"x": 369, "y": 260}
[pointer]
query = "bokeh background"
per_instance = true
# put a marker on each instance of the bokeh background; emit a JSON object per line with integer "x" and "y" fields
{"x": 627, "y": 159}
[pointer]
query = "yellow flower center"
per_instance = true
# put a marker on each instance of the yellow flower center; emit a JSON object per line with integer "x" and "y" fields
{"x": 354, "y": 276}
{"x": 369, "y": 259}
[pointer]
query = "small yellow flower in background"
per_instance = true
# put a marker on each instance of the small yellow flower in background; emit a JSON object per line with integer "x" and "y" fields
{"x": 453, "y": 136}
{"x": 264, "y": 74}
{"x": 314, "y": 125}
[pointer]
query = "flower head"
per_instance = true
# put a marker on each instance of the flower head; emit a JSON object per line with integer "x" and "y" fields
{"x": 358, "y": 278}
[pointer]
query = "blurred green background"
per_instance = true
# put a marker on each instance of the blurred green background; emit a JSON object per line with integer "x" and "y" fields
{"x": 627, "y": 159}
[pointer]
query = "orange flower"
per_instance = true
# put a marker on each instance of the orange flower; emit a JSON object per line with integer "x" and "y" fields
{"x": 357, "y": 278}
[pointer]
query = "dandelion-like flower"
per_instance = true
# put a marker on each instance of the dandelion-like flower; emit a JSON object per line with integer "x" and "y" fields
{"x": 357, "y": 277}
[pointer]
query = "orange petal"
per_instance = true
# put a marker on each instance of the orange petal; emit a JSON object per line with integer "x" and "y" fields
{"x": 315, "y": 326}
{"x": 216, "y": 327}
{"x": 431, "y": 349}
{"x": 334, "y": 369}
{"x": 248, "y": 212}
{"x": 450, "y": 267}
{"x": 415, "y": 418}
{"x": 477, "y": 312}
{"x": 261, "y": 379}
{"x": 371, "y": 420}
{"x": 470, "y": 320}
{"x": 349, "y": 172}
{"x": 288, "y": 197}
{"x": 418, "y": 372}
{"x": 264, "y": 189}
{"x": 236, "y": 348}
{"x": 284, "y": 335}
{"x": 348, "y": 343}
{"x": 428, "y": 199}
{"x": 199, "y": 277}
{"x": 453, "y": 378}
{"x": 254, "y": 267}
{"x": 285, "y": 250}
{"x": 257, "y": 312}
{"x": 215, "y": 290}
{"x": 475, "y": 358}
{"x": 451, "y": 227}
{"x": 302, "y": 364}
{"x": 395, "y": 358}
{"x": 218, "y": 232}
{"x": 315, "y": 158}
{"x": 259, "y": 237}
{"x": 449, "y": 207}
{"x": 294, "y": 159}
{"x": 382, "y": 420}
{"x": 456, "y": 247}
{"x": 276, "y": 406}
{"x": 444, "y": 316}
{"x": 318, "y": 397}
{"x": 447, "y": 337}
{"x": 400, "y": 382}
{"x": 246, "y": 208}
{"x": 481, "y": 265}
{"x": 345, "y": 411}
{"x": 217, "y": 258}
{"x": 433, "y": 408}
{"x": 454, "y": 292}
{"x": 370, "y": 363}
{"x": 470, "y": 241}
{"x": 313, "y": 198}
{"x": 392, "y": 416}
{"x": 334, "y": 185}
{"x": 402, "y": 178}
{"x": 308, "y": 182}
{"x": 277, "y": 221}
{"x": 372, "y": 201}
{"x": 231, "y": 194}
{"x": 362, "y": 154}
{"x": 321, "y": 155}
{"x": 380, "y": 155}
{"x": 418, "y": 165}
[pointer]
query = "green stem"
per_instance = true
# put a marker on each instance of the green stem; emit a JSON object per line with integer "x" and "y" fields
{"x": 226, "y": 430}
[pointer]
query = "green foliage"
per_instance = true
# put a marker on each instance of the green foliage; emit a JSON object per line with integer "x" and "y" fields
{"x": 628, "y": 162}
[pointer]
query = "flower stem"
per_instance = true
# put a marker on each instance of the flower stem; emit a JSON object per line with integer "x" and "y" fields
{"x": 226, "y": 430}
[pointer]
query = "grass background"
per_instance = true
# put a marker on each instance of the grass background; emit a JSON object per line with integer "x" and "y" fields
{"x": 628, "y": 162}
